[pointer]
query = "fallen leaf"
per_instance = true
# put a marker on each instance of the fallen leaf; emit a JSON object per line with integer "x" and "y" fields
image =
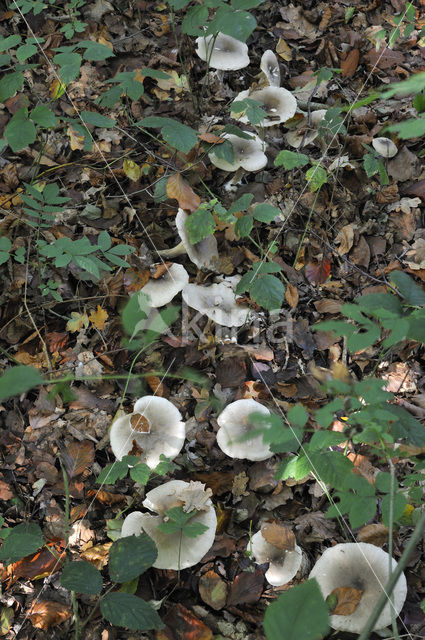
{"x": 361, "y": 253}
{"x": 213, "y": 590}
{"x": 77, "y": 321}
{"x": 106, "y": 497}
{"x": 218, "y": 481}
{"x": 5, "y": 492}
{"x": 185, "y": 626}
{"x": 98, "y": 318}
{"x": 157, "y": 386}
{"x": 376, "y": 534}
{"x": 160, "y": 269}
{"x": 279, "y": 536}
{"x": 179, "y": 189}
{"x": 211, "y": 138}
{"x": 77, "y": 457}
{"x": 349, "y": 65}
{"x": 97, "y": 555}
{"x": 48, "y": 613}
{"x": 318, "y": 272}
{"x": 139, "y": 423}
{"x": 131, "y": 170}
{"x": 384, "y": 58}
{"x": 247, "y": 588}
{"x": 328, "y": 305}
{"x": 347, "y": 600}
{"x": 195, "y": 497}
{"x": 291, "y": 295}
{"x": 345, "y": 238}
{"x": 283, "y": 50}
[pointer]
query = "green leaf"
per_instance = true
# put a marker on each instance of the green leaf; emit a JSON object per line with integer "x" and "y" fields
{"x": 370, "y": 164}
{"x": 399, "y": 503}
{"x": 241, "y": 204}
{"x": 178, "y": 135}
{"x": 268, "y": 291}
{"x": 17, "y": 380}
{"x": 81, "y": 577}
{"x": 96, "y": 119}
{"x": 265, "y": 212}
{"x": 412, "y": 128}
{"x": 127, "y": 610}
{"x": 405, "y": 426}
{"x": 42, "y": 116}
{"x": 26, "y": 51}
{"x": 136, "y": 309}
{"x": 113, "y": 472}
{"x": 297, "y": 416}
{"x": 243, "y": 226}
{"x": 140, "y": 473}
{"x": 238, "y": 24}
{"x": 252, "y": 109}
{"x": 131, "y": 556}
{"x": 411, "y": 292}
{"x": 331, "y": 466}
{"x": 200, "y": 224}
{"x": 316, "y": 177}
{"x": 194, "y": 20}
{"x": 300, "y": 613}
{"x": 10, "y": 84}
{"x": 95, "y": 51}
{"x": 179, "y": 520}
{"x": 22, "y": 540}
{"x": 20, "y": 131}
{"x": 291, "y": 160}
{"x": 9, "y": 42}
{"x": 69, "y": 66}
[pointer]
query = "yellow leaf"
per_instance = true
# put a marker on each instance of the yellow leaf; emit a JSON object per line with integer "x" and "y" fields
{"x": 98, "y": 318}
{"x": 77, "y": 321}
{"x": 132, "y": 170}
{"x": 76, "y": 141}
{"x": 283, "y": 50}
{"x": 57, "y": 89}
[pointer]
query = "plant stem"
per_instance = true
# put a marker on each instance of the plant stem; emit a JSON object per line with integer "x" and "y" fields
{"x": 306, "y": 228}
{"x": 75, "y": 609}
{"x": 411, "y": 545}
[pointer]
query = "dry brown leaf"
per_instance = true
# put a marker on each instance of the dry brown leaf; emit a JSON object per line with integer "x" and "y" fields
{"x": 211, "y": 138}
{"x": 347, "y": 600}
{"x": 345, "y": 238}
{"x": 77, "y": 457}
{"x": 98, "y": 318}
{"x": 328, "y": 305}
{"x": 139, "y": 423}
{"x": 97, "y": 555}
{"x": 361, "y": 253}
{"x": 283, "y": 50}
{"x": 179, "y": 189}
{"x": 349, "y": 65}
{"x": 160, "y": 269}
{"x": 318, "y": 272}
{"x": 291, "y": 295}
{"x": 48, "y": 613}
{"x": 279, "y": 536}
{"x": 213, "y": 590}
{"x": 157, "y": 386}
{"x": 376, "y": 534}
{"x": 105, "y": 497}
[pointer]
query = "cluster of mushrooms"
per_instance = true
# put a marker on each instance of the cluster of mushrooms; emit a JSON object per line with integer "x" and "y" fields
{"x": 155, "y": 426}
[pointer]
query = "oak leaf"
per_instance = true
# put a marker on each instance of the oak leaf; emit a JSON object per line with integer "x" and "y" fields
{"x": 98, "y": 318}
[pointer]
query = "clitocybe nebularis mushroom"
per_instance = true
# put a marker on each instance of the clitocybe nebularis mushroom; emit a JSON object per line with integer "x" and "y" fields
{"x": 284, "y": 564}
{"x": 218, "y": 302}
{"x": 270, "y": 67}
{"x": 235, "y": 425}
{"x": 153, "y": 429}
{"x": 223, "y": 52}
{"x": 162, "y": 290}
{"x": 365, "y": 567}
{"x": 204, "y": 253}
{"x": 385, "y": 147}
{"x": 175, "y": 551}
{"x": 279, "y": 104}
{"x": 248, "y": 154}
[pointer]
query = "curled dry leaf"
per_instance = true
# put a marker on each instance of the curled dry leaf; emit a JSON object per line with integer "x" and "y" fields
{"x": 97, "y": 555}
{"x": 345, "y": 238}
{"x": 349, "y": 65}
{"x": 347, "y": 599}
{"x": 291, "y": 295}
{"x": 48, "y": 613}
{"x": 210, "y": 138}
{"x": 376, "y": 534}
{"x": 178, "y": 189}
{"x": 279, "y": 536}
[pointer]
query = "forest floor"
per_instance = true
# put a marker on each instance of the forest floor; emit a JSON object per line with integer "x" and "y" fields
{"x": 332, "y": 245}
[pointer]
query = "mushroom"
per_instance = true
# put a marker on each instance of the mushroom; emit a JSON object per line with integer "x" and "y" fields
{"x": 279, "y": 104}
{"x": 204, "y": 253}
{"x": 153, "y": 429}
{"x": 384, "y": 147}
{"x": 365, "y": 567}
{"x": 248, "y": 154}
{"x": 218, "y": 302}
{"x": 270, "y": 67}
{"x": 163, "y": 289}
{"x": 299, "y": 136}
{"x": 284, "y": 565}
{"x": 175, "y": 551}
{"x": 235, "y": 424}
{"x": 222, "y": 52}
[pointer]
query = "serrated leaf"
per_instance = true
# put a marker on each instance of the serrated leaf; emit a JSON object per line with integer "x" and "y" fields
{"x": 316, "y": 177}
{"x": 411, "y": 292}
{"x": 267, "y": 291}
{"x": 200, "y": 225}
{"x": 81, "y": 577}
{"x": 131, "y": 556}
{"x": 291, "y": 160}
{"x": 127, "y": 610}
{"x": 20, "y": 131}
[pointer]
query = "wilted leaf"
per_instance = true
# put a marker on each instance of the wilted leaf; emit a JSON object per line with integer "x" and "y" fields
{"x": 349, "y": 65}
{"x": 48, "y": 613}
{"x": 210, "y": 138}
{"x": 279, "y": 536}
{"x": 283, "y": 50}
{"x": 77, "y": 321}
{"x": 213, "y": 590}
{"x": 97, "y": 555}
{"x": 247, "y": 588}
{"x": 376, "y": 534}
{"x": 185, "y": 625}
{"x": 98, "y": 318}
{"x": 318, "y": 272}
{"x": 345, "y": 238}
{"x": 178, "y": 189}
{"x": 77, "y": 457}
{"x": 291, "y": 295}
{"x": 131, "y": 170}
{"x": 347, "y": 600}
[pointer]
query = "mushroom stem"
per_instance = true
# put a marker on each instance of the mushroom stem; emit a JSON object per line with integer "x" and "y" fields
{"x": 178, "y": 250}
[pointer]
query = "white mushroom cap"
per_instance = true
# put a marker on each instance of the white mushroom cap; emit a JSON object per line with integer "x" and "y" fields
{"x": 270, "y": 67}
{"x": 385, "y": 147}
{"x": 163, "y": 289}
{"x": 279, "y": 103}
{"x": 218, "y": 302}
{"x": 204, "y": 253}
{"x": 317, "y": 117}
{"x": 363, "y": 566}
{"x": 155, "y": 427}
{"x": 235, "y": 426}
{"x": 224, "y": 52}
{"x": 248, "y": 154}
{"x": 284, "y": 565}
{"x": 174, "y": 552}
